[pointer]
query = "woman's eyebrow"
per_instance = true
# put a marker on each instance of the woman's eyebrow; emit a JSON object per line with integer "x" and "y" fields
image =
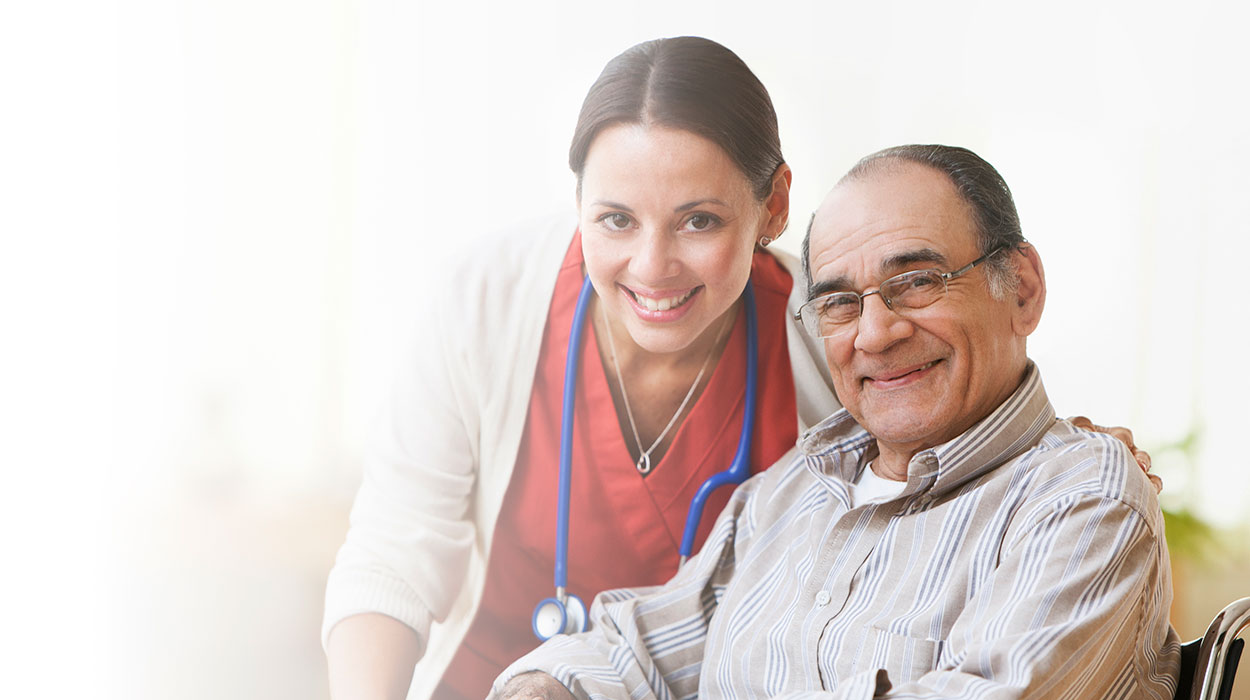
{"x": 699, "y": 202}
{"x": 611, "y": 205}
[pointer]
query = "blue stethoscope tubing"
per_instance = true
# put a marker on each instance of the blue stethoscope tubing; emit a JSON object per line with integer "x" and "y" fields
{"x": 566, "y": 613}
{"x": 740, "y": 468}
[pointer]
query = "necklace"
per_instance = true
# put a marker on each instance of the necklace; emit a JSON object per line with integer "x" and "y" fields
{"x": 644, "y": 456}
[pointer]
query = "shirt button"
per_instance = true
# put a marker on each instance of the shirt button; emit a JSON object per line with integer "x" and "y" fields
{"x": 822, "y": 598}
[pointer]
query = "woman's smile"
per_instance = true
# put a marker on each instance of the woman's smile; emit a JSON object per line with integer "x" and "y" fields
{"x": 663, "y": 305}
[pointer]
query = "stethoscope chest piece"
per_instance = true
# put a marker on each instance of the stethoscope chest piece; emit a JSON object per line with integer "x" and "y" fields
{"x": 552, "y": 617}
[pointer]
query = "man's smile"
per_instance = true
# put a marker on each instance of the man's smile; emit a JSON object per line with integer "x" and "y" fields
{"x": 892, "y": 378}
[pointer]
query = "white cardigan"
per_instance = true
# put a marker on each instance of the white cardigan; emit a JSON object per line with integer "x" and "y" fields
{"x": 423, "y": 519}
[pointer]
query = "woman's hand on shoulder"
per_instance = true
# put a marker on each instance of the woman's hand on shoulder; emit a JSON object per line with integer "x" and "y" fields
{"x": 1125, "y": 436}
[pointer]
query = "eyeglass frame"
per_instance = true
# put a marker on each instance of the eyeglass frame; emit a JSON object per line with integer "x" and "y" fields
{"x": 889, "y": 303}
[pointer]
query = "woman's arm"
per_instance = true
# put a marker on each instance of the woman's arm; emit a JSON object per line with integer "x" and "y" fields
{"x": 371, "y": 656}
{"x": 407, "y": 551}
{"x": 442, "y": 457}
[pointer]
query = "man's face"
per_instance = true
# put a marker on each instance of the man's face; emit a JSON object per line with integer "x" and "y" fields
{"x": 914, "y": 378}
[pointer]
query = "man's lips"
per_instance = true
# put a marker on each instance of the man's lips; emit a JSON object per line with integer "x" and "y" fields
{"x": 900, "y": 376}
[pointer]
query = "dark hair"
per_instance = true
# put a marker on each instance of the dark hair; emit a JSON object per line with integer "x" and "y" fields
{"x": 979, "y": 185}
{"x": 687, "y": 83}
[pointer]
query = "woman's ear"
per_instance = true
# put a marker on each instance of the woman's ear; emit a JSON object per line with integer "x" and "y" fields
{"x": 1030, "y": 294}
{"x": 778, "y": 202}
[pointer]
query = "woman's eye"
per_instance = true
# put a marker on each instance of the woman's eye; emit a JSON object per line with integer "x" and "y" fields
{"x": 615, "y": 221}
{"x": 701, "y": 222}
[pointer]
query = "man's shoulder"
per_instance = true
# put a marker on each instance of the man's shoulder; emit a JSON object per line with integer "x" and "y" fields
{"x": 1071, "y": 463}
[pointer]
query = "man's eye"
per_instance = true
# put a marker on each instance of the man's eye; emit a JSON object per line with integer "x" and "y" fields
{"x": 907, "y": 283}
{"x": 837, "y": 302}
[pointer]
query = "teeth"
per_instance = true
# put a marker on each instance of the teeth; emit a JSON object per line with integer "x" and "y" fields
{"x": 662, "y": 304}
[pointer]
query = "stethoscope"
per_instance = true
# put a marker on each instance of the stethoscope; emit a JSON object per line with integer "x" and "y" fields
{"x": 566, "y": 613}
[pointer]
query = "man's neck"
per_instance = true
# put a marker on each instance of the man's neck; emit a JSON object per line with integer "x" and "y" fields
{"x": 889, "y": 466}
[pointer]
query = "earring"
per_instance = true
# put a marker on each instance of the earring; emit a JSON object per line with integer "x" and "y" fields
{"x": 764, "y": 241}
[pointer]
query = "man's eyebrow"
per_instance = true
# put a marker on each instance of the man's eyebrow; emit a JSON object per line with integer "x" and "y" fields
{"x": 897, "y": 261}
{"x": 837, "y": 284}
{"x": 888, "y": 267}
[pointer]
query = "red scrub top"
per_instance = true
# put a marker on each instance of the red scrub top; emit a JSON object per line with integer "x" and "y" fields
{"x": 624, "y": 529}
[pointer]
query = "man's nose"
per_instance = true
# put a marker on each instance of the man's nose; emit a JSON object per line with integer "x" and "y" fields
{"x": 879, "y": 326}
{"x": 654, "y": 258}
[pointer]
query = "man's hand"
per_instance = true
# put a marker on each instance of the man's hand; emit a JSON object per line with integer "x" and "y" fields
{"x": 1125, "y": 436}
{"x": 535, "y": 685}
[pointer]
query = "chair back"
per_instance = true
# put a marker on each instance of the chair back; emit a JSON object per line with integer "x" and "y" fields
{"x": 1209, "y": 664}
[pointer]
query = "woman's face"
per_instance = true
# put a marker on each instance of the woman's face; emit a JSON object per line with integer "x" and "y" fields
{"x": 668, "y": 227}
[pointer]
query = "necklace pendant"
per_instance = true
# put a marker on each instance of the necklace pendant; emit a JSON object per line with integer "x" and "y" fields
{"x": 644, "y": 464}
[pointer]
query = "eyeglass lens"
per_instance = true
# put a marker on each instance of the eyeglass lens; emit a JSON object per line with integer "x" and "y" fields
{"x": 912, "y": 290}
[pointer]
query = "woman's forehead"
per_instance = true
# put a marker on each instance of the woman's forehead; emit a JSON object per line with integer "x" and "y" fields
{"x": 646, "y": 157}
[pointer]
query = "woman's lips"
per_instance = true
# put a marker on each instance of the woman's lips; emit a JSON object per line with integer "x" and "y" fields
{"x": 668, "y": 305}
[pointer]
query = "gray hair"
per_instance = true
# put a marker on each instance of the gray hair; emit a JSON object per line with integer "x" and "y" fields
{"x": 979, "y": 185}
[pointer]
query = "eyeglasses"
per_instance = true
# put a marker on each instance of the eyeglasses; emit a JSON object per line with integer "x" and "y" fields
{"x": 834, "y": 313}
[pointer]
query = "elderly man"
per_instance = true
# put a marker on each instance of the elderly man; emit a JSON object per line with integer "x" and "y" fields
{"x": 944, "y": 535}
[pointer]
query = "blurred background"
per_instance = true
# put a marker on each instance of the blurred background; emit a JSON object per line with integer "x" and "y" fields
{"x": 219, "y": 215}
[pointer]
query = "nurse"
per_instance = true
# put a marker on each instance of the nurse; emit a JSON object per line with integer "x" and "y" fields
{"x": 681, "y": 187}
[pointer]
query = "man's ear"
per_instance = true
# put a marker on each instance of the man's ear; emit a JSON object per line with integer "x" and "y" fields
{"x": 778, "y": 202}
{"x": 1030, "y": 295}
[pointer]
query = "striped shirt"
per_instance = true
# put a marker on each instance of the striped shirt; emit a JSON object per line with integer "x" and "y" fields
{"x": 1023, "y": 559}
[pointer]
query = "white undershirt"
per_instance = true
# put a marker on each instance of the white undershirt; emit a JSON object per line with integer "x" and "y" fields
{"x": 870, "y": 488}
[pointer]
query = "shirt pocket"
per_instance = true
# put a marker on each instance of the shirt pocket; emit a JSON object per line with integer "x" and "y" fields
{"x": 905, "y": 658}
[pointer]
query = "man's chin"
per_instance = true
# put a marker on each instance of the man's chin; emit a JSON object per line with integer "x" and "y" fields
{"x": 898, "y": 428}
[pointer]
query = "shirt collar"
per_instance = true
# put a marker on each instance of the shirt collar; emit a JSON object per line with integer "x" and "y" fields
{"x": 839, "y": 447}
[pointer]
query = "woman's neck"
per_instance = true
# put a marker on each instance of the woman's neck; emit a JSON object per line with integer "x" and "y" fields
{"x": 635, "y": 359}
{"x": 656, "y": 384}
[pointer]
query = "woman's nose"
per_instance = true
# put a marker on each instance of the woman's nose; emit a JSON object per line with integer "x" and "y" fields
{"x": 655, "y": 257}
